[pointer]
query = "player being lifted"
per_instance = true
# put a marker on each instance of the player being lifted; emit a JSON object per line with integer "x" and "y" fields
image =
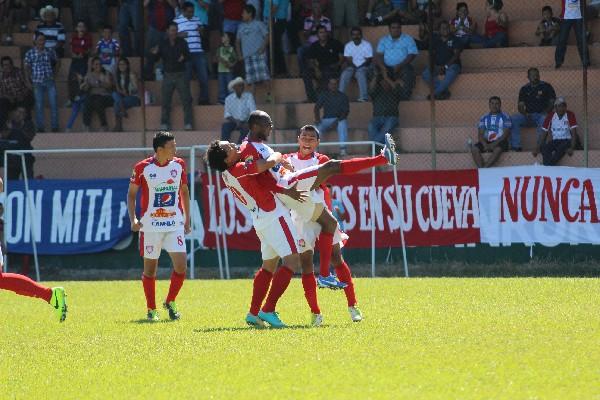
{"x": 164, "y": 220}
{"x": 271, "y": 221}
{"x": 24, "y": 286}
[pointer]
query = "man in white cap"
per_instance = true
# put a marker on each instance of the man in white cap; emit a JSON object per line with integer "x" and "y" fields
{"x": 238, "y": 106}
{"x": 562, "y": 126}
{"x": 52, "y": 30}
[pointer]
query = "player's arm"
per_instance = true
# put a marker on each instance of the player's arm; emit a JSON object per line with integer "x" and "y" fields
{"x": 261, "y": 165}
{"x": 131, "y": 198}
{"x": 185, "y": 195}
{"x": 268, "y": 182}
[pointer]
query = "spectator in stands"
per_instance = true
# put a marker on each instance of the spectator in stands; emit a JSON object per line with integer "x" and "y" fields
{"x": 160, "y": 14}
{"x": 279, "y": 9}
{"x": 93, "y": 12}
{"x": 572, "y": 17}
{"x": 548, "y": 28}
{"x": 324, "y": 58}
{"x": 395, "y": 54}
{"x": 130, "y": 16}
{"x": 13, "y": 12}
{"x": 125, "y": 93}
{"x": 495, "y": 28}
{"x": 252, "y": 40}
{"x": 81, "y": 46}
{"x": 41, "y": 66}
{"x": 447, "y": 64}
{"x": 462, "y": 26}
{"x": 336, "y": 108}
{"x": 77, "y": 102}
{"x": 309, "y": 34}
{"x": 358, "y": 54}
{"x": 189, "y": 27}
{"x": 562, "y": 126}
{"x": 345, "y": 15}
{"x": 108, "y": 50}
{"x": 232, "y": 14}
{"x": 174, "y": 53}
{"x": 493, "y": 133}
{"x": 386, "y": 99}
{"x": 226, "y": 58}
{"x": 535, "y": 101}
{"x": 302, "y": 9}
{"x": 201, "y": 11}
{"x": 98, "y": 84}
{"x": 52, "y": 30}
{"x": 15, "y": 90}
{"x": 238, "y": 106}
{"x": 380, "y": 12}
{"x": 19, "y": 132}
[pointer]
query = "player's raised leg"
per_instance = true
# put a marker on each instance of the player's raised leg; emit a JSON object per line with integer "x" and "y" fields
{"x": 328, "y": 227}
{"x": 345, "y": 275}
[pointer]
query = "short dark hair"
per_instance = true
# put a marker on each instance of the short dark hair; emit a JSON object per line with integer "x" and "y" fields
{"x": 215, "y": 156}
{"x": 161, "y": 138}
{"x": 460, "y": 5}
{"x": 256, "y": 117}
{"x": 38, "y": 35}
{"x": 393, "y": 21}
{"x": 173, "y": 23}
{"x": 187, "y": 4}
{"x": 249, "y": 8}
{"x": 530, "y": 70}
{"x": 6, "y": 58}
{"x": 547, "y": 8}
{"x": 494, "y": 98}
{"x": 311, "y": 128}
{"x": 320, "y": 26}
{"x": 356, "y": 29}
{"x": 107, "y": 26}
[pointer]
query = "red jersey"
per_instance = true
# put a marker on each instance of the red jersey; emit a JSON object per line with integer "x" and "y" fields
{"x": 560, "y": 127}
{"x": 232, "y": 9}
{"x": 81, "y": 45}
{"x": 160, "y": 202}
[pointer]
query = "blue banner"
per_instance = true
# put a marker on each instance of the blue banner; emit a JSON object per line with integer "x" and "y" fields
{"x": 69, "y": 216}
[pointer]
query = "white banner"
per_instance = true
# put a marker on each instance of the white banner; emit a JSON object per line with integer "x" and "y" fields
{"x": 536, "y": 204}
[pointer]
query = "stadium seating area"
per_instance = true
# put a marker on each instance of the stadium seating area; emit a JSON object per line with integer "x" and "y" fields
{"x": 486, "y": 72}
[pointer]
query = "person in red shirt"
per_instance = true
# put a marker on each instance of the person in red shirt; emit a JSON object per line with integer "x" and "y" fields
{"x": 81, "y": 45}
{"x": 561, "y": 124}
{"x": 496, "y": 27}
{"x": 232, "y": 14}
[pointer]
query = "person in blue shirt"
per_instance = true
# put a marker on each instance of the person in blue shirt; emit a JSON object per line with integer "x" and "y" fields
{"x": 493, "y": 132}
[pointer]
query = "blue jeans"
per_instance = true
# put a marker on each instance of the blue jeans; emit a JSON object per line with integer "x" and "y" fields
{"x": 76, "y": 107}
{"x": 379, "y": 126}
{"x": 361, "y": 78}
{"x": 529, "y": 120}
{"x": 228, "y": 127}
{"x": 39, "y": 90}
{"x": 342, "y": 128}
{"x": 231, "y": 25}
{"x": 500, "y": 39}
{"x": 125, "y": 102}
{"x": 563, "y": 37}
{"x": 224, "y": 79}
{"x": 199, "y": 65}
{"x": 440, "y": 85}
{"x": 129, "y": 14}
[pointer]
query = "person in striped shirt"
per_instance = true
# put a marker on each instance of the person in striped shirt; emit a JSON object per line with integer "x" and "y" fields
{"x": 189, "y": 27}
{"x": 53, "y": 30}
{"x": 493, "y": 133}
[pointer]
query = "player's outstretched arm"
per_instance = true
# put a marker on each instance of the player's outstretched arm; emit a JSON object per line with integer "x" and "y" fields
{"x": 131, "y": 198}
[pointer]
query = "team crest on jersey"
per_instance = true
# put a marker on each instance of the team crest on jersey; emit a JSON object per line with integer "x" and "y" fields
{"x": 301, "y": 243}
{"x": 249, "y": 160}
{"x": 174, "y": 173}
{"x": 149, "y": 249}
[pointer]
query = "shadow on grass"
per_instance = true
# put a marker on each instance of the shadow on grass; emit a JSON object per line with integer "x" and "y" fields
{"x": 250, "y": 328}
{"x": 142, "y": 321}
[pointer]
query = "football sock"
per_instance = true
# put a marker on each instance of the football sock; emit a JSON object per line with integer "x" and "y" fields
{"x": 23, "y": 285}
{"x": 344, "y": 275}
{"x": 262, "y": 281}
{"x": 354, "y": 165}
{"x": 176, "y": 284}
{"x": 281, "y": 280}
{"x": 149, "y": 291}
{"x": 310, "y": 292}
{"x": 325, "y": 247}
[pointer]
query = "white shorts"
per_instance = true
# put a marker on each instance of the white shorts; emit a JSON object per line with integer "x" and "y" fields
{"x": 310, "y": 231}
{"x": 151, "y": 243}
{"x": 279, "y": 239}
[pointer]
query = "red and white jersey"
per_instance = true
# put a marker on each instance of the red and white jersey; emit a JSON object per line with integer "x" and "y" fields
{"x": 161, "y": 206}
{"x": 560, "y": 127}
{"x": 571, "y": 9}
{"x": 300, "y": 162}
{"x": 255, "y": 192}
{"x": 253, "y": 151}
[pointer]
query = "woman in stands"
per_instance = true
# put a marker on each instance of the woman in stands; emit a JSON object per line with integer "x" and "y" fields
{"x": 125, "y": 93}
{"x": 98, "y": 84}
{"x": 496, "y": 27}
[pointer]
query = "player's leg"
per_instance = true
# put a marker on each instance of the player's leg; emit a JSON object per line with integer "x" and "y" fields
{"x": 260, "y": 288}
{"x": 174, "y": 244}
{"x": 345, "y": 275}
{"x": 309, "y": 284}
{"x": 328, "y": 228}
{"x": 150, "y": 247}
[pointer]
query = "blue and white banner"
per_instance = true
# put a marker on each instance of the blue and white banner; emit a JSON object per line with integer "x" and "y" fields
{"x": 69, "y": 216}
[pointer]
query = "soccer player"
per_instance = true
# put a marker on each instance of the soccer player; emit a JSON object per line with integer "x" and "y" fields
{"x": 271, "y": 221}
{"x": 164, "y": 220}
{"x": 260, "y": 126}
{"x": 22, "y": 285}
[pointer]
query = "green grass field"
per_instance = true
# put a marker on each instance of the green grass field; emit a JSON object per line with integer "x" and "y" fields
{"x": 421, "y": 338}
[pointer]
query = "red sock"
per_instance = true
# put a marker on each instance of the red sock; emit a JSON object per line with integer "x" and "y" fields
{"x": 281, "y": 280}
{"x": 355, "y": 165}
{"x": 344, "y": 275}
{"x": 149, "y": 291}
{"x": 310, "y": 292}
{"x": 21, "y": 284}
{"x": 325, "y": 248}
{"x": 262, "y": 281}
{"x": 175, "y": 287}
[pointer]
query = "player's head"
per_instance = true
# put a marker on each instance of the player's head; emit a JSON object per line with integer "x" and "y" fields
{"x": 221, "y": 155}
{"x": 308, "y": 139}
{"x": 164, "y": 144}
{"x": 260, "y": 125}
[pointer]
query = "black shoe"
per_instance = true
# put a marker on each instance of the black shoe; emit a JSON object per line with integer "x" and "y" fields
{"x": 517, "y": 149}
{"x": 55, "y": 130}
{"x": 558, "y": 65}
{"x": 40, "y": 130}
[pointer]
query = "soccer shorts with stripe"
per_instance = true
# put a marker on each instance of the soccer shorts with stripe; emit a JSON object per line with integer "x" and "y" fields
{"x": 151, "y": 243}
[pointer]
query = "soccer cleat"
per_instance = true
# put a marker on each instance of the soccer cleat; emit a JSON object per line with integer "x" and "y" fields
{"x": 272, "y": 318}
{"x": 59, "y": 302}
{"x": 330, "y": 282}
{"x": 389, "y": 150}
{"x": 153, "y": 316}
{"x": 316, "y": 319}
{"x": 254, "y": 321}
{"x": 355, "y": 313}
{"x": 172, "y": 308}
